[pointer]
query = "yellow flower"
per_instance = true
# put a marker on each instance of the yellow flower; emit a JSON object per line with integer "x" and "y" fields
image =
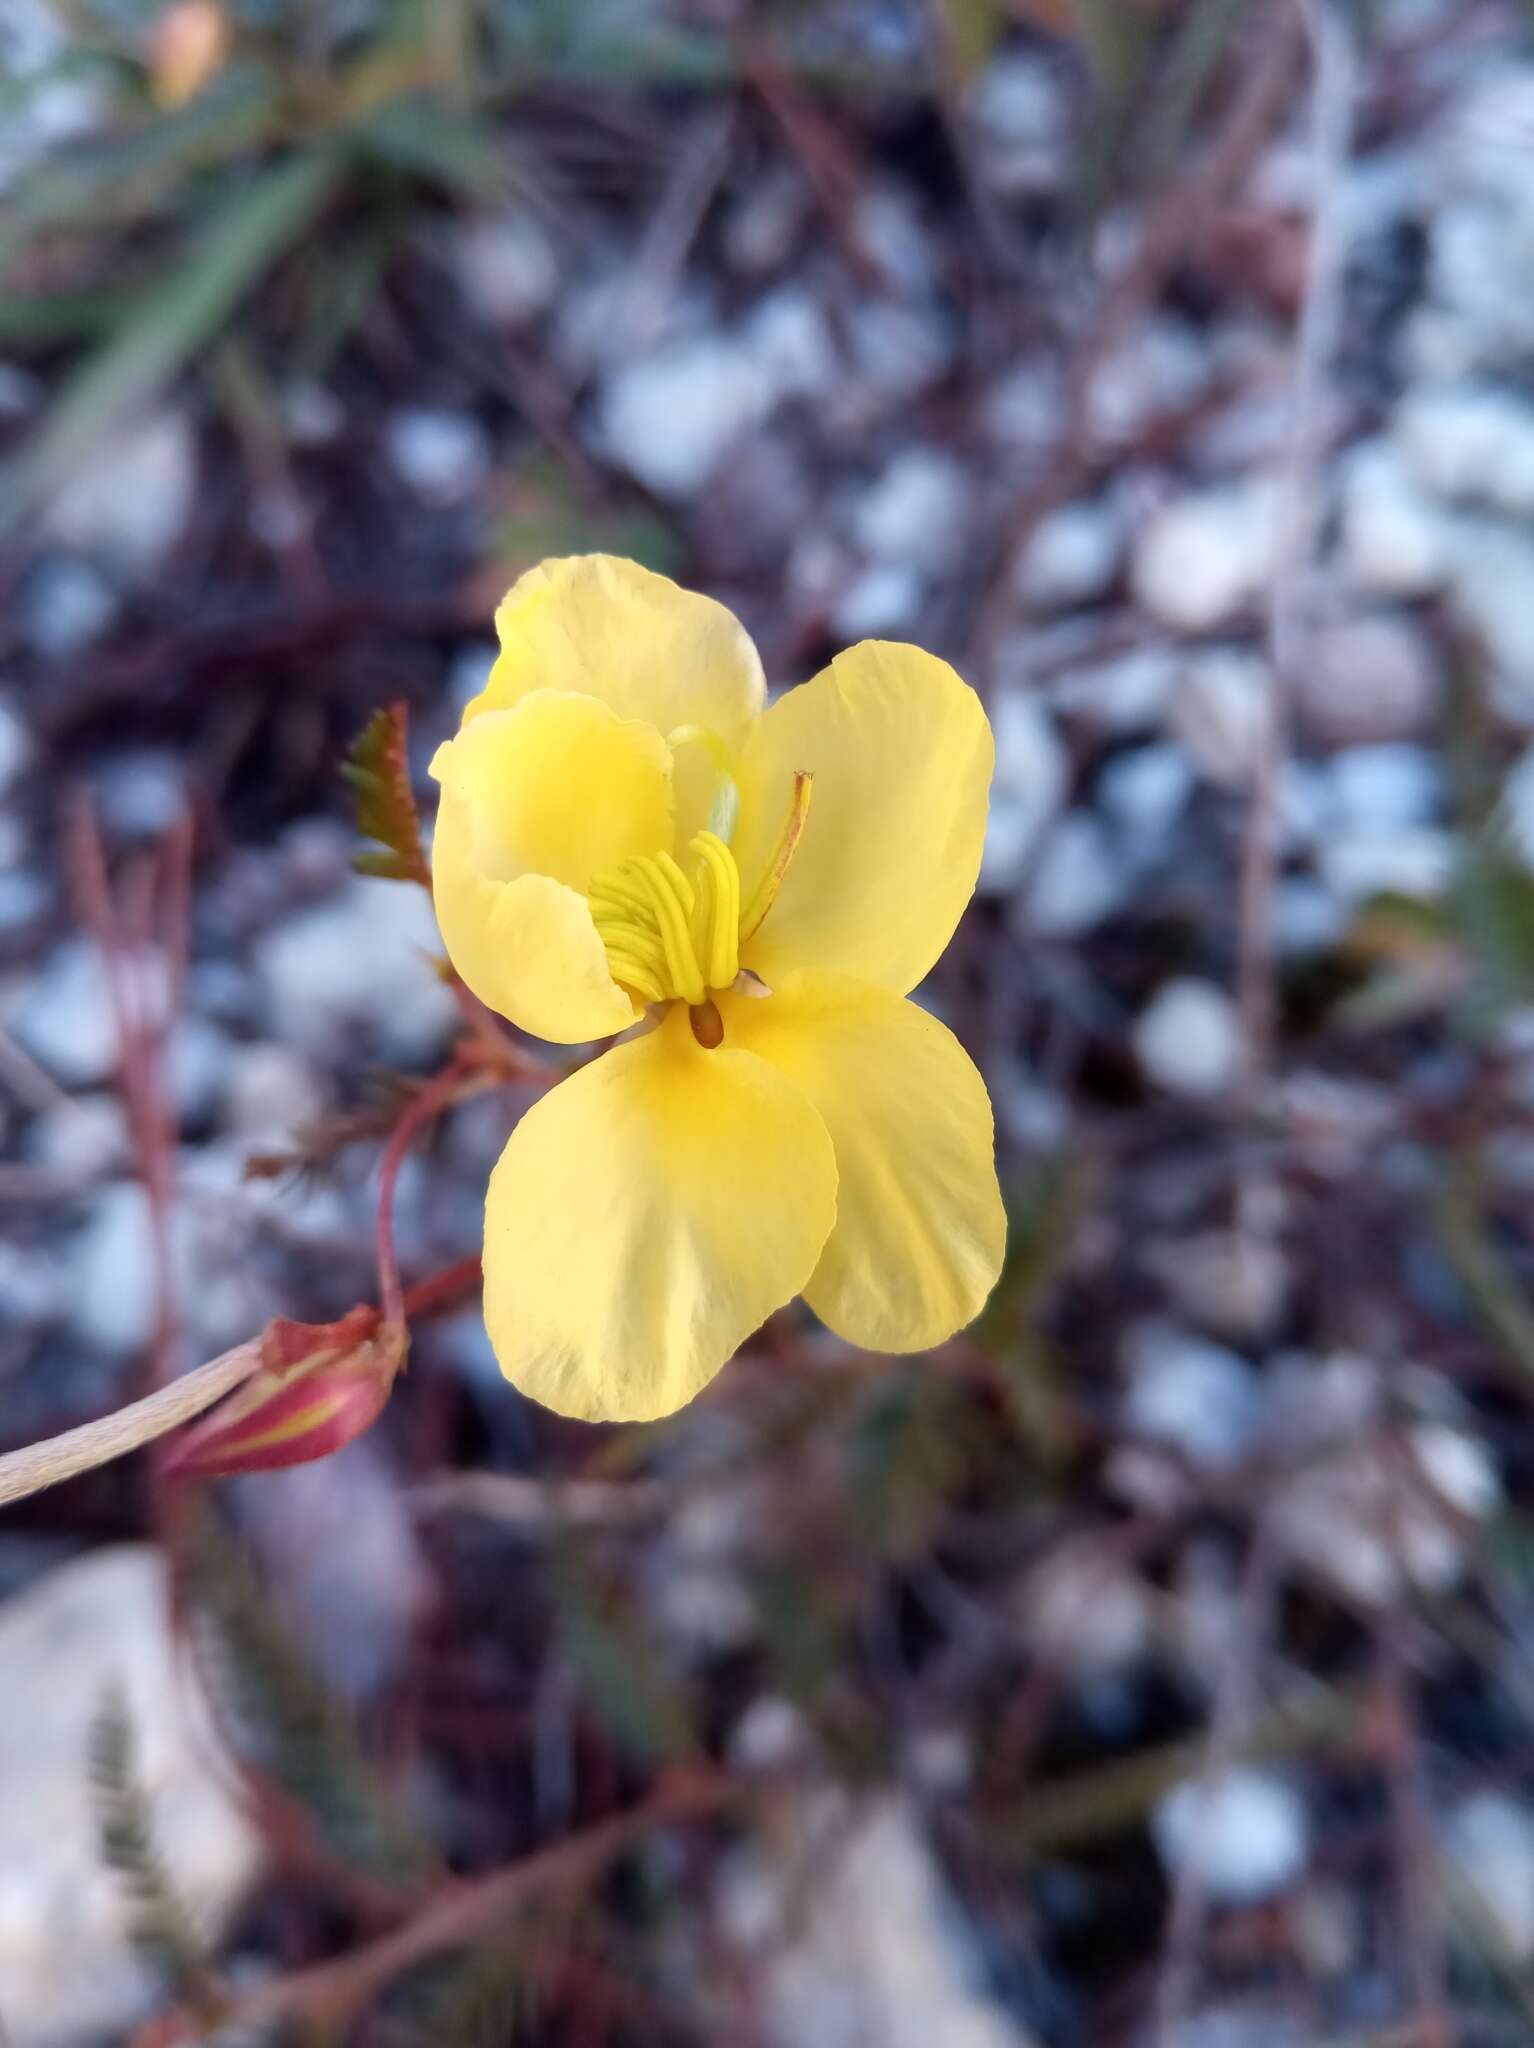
{"x": 624, "y": 835}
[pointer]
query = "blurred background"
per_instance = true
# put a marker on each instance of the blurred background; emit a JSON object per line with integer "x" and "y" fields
{"x": 1155, "y": 1664}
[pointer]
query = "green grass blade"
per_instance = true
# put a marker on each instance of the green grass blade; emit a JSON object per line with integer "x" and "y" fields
{"x": 152, "y": 346}
{"x": 426, "y": 138}
{"x": 127, "y": 175}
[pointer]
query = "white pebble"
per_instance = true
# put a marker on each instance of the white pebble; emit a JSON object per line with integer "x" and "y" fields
{"x": 882, "y": 1957}
{"x": 1369, "y": 1516}
{"x": 1072, "y": 557}
{"x": 140, "y": 792}
{"x": 1187, "y": 1038}
{"x": 507, "y": 268}
{"x": 442, "y": 456}
{"x": 1416, "y": 861}
{"x": 1391, "y": 785}
{"x": 1489, "y": 1840}
{"x": 1183, "y": 1391}
{"x": 914, "y": 510}
{"x": 770, "y": 1735}
{"x": 669, "y": 418}
{"x": 1473, "y": 442}
{"x": 15, "y": 746}
{"x": 763, "y": 224}
{"x": 1077, "y": 882}
{"x": 272, "y": 1091}
{"x": 1203, "y": 559}
{"x": 1491, "y": 591}
{"x": 788, "y": 338}
{"x": 1129, "y": 693}
{"x": 313, "y": 416}
{"x": 100, "y": 1625}
{"x": 64, "y": 1014}
{"x": 1245, "y": 1837}
{"x": 1160, "y": 364}
{"x": 130, "y": 503}
{"x": 1395, "y": 539}
{"x": 885, "y": 598}
{"x": 1220, "y": 712}
{"x": 1232, "y": 1281}
{"x": 112, "y": 1295}
{"x": 359, "y": 964}
{"x": 1372, "y": 677}
{"x": 898, "y": 351}
{"x": 66, "y": 606}
{"x": 1083, "y": 1609}
{"x": 1516, "y": 809}
{"x": 1027, "y": 789}
{"x": 1144, "y": 792}
{"x": 1020, "y": 110}
{"x": 82, "y": 1138}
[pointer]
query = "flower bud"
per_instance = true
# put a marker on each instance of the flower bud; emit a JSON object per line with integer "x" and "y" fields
{"x": 320, "y": 1385}
{"x": 190, "y": 43}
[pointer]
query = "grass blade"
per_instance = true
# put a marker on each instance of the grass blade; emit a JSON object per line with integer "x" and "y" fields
{"x": 155, "y": 343}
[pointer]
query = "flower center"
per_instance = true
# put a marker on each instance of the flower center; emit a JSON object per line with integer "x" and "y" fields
{"x": 672, "y": 931}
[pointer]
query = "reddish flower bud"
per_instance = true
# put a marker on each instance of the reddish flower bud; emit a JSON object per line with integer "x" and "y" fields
{"x": 190, "y": 43}
{"x": 320, "y": 1386}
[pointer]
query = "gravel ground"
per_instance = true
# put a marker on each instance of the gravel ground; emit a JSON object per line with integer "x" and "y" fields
{"x": 1154, "y": 1666}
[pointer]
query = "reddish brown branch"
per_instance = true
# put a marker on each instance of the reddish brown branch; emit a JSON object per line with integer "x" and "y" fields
{"x": 331, "y": 1994}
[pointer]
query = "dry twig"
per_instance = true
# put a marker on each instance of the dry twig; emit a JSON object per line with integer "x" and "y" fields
{"x": 1334, "y": 93}
{"x": 61, "y": 1457}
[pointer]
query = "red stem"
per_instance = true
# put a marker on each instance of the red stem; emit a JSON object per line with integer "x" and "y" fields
{"x": 439, "y": 1291}
{"x": 427, "y": 1103}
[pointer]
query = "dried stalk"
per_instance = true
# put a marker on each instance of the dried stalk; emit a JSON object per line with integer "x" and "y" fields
{"x": 58, "y": 1458}
{"x": 1334, "y": 92}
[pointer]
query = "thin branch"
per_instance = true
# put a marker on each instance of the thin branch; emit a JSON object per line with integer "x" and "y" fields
{"x": 439, "y": 1292}
{"x": 1231, "y": 1715}
{"x": 134, "y": 951}
{"x": 1334, "y": 91}
{"x": 1178, "y": 217}
{"x": 79, "y": 1450}
{"x": 538, "y": 1505}
{"x": 454, "y": 1083}
{"x": 331, "y": 1994}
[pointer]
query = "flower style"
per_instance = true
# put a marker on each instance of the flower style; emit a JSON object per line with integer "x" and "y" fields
{"x": 626, "y": 838}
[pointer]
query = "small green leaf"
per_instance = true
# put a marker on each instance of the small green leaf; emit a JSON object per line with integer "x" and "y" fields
{"x": 283, "y": 1721}
{"x": 625, "y": 1682}
{"x": 378, "y": 769}
{"x": 426, "y": 138}
{"x": 160, "y": 1925}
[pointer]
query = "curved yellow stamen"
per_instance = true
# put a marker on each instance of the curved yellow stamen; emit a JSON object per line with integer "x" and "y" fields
{"x": 671, "y": 910}
{"x": 673, "y": 933}
{"x": 719, "y": 946}
{"x": 766, "y": 891}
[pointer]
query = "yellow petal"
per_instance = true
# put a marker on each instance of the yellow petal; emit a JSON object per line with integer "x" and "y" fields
{"x": 560, "y": 786}
{"x": 901, "y": 752}
{"x": 645, "y": 1218}
{"x": 527, "y": 947}
{"x": 920, "y": 1227}
{"x": 607, "y": 628}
